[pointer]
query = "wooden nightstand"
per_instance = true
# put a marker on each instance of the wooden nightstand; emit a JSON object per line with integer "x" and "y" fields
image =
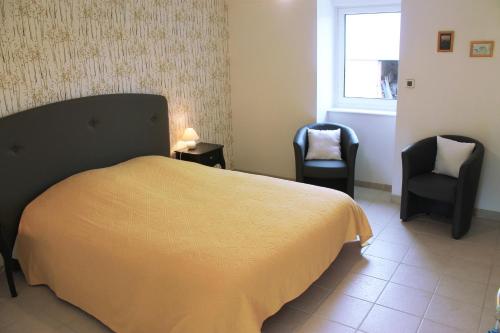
{"x": 209, "y": 154}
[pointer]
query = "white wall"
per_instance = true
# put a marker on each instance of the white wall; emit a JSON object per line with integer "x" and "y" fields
{"x": 272, "y": 45}
{"x": 325, "y": 57}
{"x": 376, "y": 134}
{"x": 454, "y": 93}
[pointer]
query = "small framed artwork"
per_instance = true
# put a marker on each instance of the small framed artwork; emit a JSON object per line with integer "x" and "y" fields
{"x": 482, "y": 48}
{"x": 445, "y": 41}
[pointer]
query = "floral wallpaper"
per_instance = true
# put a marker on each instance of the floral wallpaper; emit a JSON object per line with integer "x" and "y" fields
{"x": 53, "y": 50}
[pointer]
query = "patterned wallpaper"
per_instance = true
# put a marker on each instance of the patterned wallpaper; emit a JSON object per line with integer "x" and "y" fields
{"x": 53, "y": 50}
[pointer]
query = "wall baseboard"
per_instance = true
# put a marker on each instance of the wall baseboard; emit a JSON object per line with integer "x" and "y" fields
{"x": 263, "y": 174}
{"x": 376, "y": 186}
{"x": 396, "y": 198}
{"x": 481, "y": 213}
{"x": 360, "y": 183}
{"x": 487, "y": 214}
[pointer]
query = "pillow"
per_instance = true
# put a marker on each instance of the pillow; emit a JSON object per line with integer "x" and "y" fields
{"x": 323, "y": 144}
{"x": 451, "y": 155}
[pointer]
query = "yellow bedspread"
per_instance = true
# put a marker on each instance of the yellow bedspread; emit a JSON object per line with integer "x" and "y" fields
{"x": 159, "y": 245}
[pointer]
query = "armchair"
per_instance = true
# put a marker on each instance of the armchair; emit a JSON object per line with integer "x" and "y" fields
{"x": 426, "y": 192}
{"x": 328, "y": 173}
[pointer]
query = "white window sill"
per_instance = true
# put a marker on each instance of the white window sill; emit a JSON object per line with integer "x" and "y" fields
{"x": 387, "y": 113}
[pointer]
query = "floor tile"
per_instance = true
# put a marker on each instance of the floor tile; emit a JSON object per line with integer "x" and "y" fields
{"x": 489, "y": 309}
{"x": 344, "y": 309}
{"x": 332, "y": 277}
{"x": 59, "y": 310}
{"x": 496, "y": 257}
{"x": 364, "y": 203}
{"x": 483, "y": 232}
{"x": 415, "y": 277}
{"x": 380, "y": 213}
{"x": 468, "y": 270}
{"x": 387, "y": 250}
{"x": 33, "y": 325}
{"x": 429, "y": 326}
{"x": 4, "y": 290}
{"x": 437, "y": 228}
{"x": 372, "y": 195}
{"x": 485, "y": 222}
{"x": 41, "y": 304}
{"x": 471, "y": 251}
{"x": 488, "y": 320}
{"x": 495, "y": 276}
{"x": 310, "y": 300}
{"x": 454, "y": 313}
{"x": 490, "y": 301}
{"x": 462, "y": 290}
{"x": 377, "y": 227}
{"x": 438, "y": 244}
{"x": 337, "y": 271}
{"x": 88, "y": 324}
{"x": 414, "y": 225}
{"x": 375, "y": 267}
{"x": 285, "y": 320}
{"x": 320, "y": 325}
{"x": 406, "y": 299}
{"x": 424, "y": 258}
{"x": 362, "y": 286}
{"x": 366, "y": 193}
{"x": 384, "y": 320}
{"x": 398, "y": 235}
{"x": 11, "y": 313}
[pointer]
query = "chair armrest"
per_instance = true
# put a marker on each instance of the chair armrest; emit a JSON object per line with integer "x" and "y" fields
{"x": 468, "y": 177}
{"x": 419, "y": 157}
{"x": 350, "y": 144}
{"x": 299, "y": 146}
{"x": 474, "y": 161}
{"x": 299, "y": 143}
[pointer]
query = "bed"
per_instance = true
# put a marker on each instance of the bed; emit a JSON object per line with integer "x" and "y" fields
{"x": 147, "y": 243}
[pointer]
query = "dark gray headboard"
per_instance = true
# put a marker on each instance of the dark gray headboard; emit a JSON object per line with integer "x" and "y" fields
{"x": 44, "y": 145}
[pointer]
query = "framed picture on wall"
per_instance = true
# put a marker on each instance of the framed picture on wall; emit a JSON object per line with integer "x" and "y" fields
{"x": 482, "y": 48}
{"x": 445, "y": 41}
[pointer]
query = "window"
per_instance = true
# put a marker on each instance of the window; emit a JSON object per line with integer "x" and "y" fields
{"x": 367, "y": 57}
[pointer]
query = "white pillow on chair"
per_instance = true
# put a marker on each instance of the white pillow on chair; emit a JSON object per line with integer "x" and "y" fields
{"x": 323, "y": 144}
{"x": 451, "y": 155}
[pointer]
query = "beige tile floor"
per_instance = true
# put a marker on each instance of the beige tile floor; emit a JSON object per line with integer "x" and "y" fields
{"x": 413, "y": 277}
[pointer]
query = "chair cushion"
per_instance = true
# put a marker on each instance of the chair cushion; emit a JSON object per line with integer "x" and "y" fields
{"x": 451, "y": 155}
{"x": 325, "y": 169}
{"x": 434, "y": 186}
{"x": 323, "y": 144}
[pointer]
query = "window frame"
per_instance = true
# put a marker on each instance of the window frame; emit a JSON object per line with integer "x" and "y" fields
{"x": 341, "y": 102}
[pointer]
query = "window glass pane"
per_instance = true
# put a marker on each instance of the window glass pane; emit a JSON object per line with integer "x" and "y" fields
{"x": 371, "y": 55}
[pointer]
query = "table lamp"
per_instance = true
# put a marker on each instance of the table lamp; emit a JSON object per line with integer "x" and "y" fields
{"x": 189, "y": 137}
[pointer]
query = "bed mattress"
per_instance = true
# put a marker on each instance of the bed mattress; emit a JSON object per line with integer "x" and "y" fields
{"x": 160, "y": 245}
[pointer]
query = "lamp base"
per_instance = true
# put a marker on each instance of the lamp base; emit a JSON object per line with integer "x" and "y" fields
{"x": 191, "y": 144}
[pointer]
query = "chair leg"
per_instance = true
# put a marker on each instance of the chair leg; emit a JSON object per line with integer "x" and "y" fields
{"x": 404, "y": 209}
{"x": 349, "y": 186}
{"x": 409, "y": 206}
{"x": 461, "y": 223}
{"x": 10, "y": 277}
{"x": 458, "y": 231}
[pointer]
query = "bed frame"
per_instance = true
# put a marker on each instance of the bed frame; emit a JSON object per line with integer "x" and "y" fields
{"x": 42, "y": 146}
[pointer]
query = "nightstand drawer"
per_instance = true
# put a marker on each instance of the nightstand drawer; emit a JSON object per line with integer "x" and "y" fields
{"x": 211, "y": 158}
{"x": 205, "y": 153}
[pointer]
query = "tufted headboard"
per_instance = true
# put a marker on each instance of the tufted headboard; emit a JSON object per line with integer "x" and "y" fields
{"x": 44, "y": 145}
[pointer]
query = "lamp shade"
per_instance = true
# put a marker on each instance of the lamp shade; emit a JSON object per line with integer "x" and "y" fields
{"x": 190, "y": 135}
